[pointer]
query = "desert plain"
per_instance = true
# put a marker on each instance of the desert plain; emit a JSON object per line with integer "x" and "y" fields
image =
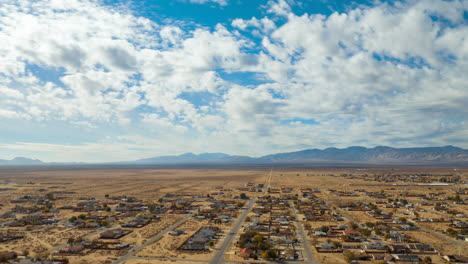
{"x": 293, "y": 214}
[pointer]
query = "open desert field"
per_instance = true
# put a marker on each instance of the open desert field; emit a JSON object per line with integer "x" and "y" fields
{"x": 142, "y": 183}
{"x": 190, "y": 215}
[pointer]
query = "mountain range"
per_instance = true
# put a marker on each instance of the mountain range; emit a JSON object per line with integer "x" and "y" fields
{"x": 376, "y": 155}
{"x": 21, "y": 161}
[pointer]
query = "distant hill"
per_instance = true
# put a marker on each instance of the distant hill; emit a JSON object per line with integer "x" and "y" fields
{"x": 356, "y": 155}
{"x": 190, "y": 158}
{"x": 21, "y": 161}
{"x": 376, "y": 155}
{"x": 381, "y": 154}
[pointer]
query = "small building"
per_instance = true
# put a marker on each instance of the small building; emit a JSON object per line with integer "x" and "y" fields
{"x": 456, "y": 258}
{"x": 422, "y": 249}
{"x": 245, "y": 253}
{"x": 176, "y": 232}
{"x": 405, "y": 258}
{"x": 374, "y": 247}
{"x": 8, "y": 255}
{"x": 114, "y": 234}
{"x": 326, "y": 246}
{"x": 74, "y": 249}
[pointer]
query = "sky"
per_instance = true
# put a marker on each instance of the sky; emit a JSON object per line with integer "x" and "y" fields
{"x": 106, "y": 80}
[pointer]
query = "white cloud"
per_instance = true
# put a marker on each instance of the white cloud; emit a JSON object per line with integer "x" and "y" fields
{"x": 171, "y": 35}
{"x": 280, "y": 7}
{"x": 265, "y": 24}
{"x": 338, "y": 69}
{"x": 104, "y": 151}
{"x": 384, "y": 74}
{"x": 9, "y": 114}
{"x": 219, "y": 2}
{"x": 11, "y": 93}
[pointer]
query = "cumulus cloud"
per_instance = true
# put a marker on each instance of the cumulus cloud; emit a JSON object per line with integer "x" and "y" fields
{"x": 389, "y": 74}
{"x": 265, "y": 24}
{"x": 219, "y": 2}
{"x": 377, "y": 68}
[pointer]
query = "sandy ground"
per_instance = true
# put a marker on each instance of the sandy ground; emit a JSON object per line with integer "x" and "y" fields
{"x": 140, "y": 261}
{"x": 151, "y": 184}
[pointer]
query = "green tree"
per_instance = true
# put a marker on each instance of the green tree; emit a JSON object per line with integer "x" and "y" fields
{"x": 336, "y": 244}
{"x": 451, "y": 232}
{"x": 269, "y": 254}
{"x": 365, "y": 232}
{"x": 378, "y": 232}
{"x": 50, "y": 196}
{"x": 387, "y": 236}
{"x": 427, "y": 260}
{"x": 245, "y": 238}
{"x": 257, "y": 238}
{"x": 349, "y": 256}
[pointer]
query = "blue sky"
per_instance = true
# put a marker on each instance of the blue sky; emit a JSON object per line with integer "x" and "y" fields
{"x": 210, "y": 13}
{"x": 97, "y": 81}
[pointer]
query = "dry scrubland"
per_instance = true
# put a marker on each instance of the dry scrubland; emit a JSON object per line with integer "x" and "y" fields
{"x": 142, "y": 183}
{"x": 72, "y": 186}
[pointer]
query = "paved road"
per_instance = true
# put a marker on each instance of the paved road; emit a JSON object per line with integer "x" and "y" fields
{"x": 268, "y": 183}
{"x": 219, "y": 255}
{"x": 152, "y": 240}
{"x": 442, "y": 236}
{"x": 345, "y": 215}
{"x": 329, "y": 205}
{"x": 170, "y": 259}
{"x": 206, "y": 261}
{"x": 309, "y": 256}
